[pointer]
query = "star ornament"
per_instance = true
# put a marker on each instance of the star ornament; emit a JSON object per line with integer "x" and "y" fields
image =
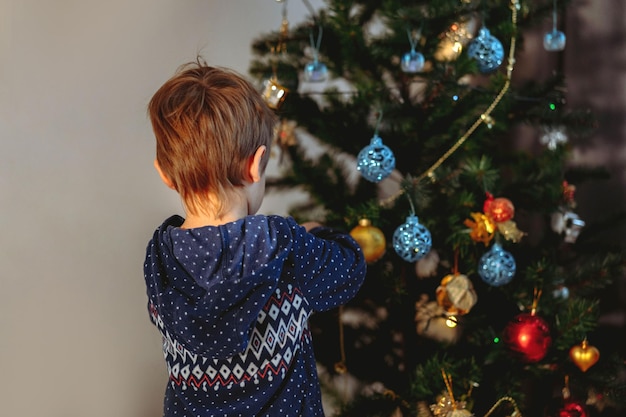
{"x": 482, "y": 228}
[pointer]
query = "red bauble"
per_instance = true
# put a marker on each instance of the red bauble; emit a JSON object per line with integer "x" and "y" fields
{"x": 499, "y": 209}
{"x": 573, "y": 409}
{"x": 528, "y": 337}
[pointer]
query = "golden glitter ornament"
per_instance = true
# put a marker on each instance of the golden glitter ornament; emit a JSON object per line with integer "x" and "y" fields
{"x": 371, "y": 240}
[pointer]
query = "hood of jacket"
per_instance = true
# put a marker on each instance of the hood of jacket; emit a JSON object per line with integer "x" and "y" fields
{"x": 209, "y": 284}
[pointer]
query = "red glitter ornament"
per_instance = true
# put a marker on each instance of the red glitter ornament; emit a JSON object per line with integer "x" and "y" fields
{"x": 573, "y": 409}
{"x": 499, "y": 209}
{"x": 528, "y": 337}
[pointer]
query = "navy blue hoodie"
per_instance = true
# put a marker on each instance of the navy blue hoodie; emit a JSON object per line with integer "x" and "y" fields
{"x": 232, "y": 304}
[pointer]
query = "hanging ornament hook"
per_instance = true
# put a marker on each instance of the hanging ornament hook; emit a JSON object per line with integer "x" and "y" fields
{"x": 408, "y": 196}
{"x": 536, "y": 296}
{"x": 414, "y": 37}
{"x": 378, "y": 121}
{"x": 315, "y": 46}
{"x": 447, "y": 379}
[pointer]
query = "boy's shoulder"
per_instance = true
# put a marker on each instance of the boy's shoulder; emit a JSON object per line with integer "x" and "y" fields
{"x": 278, "y": 226}
{"x": 272, "y": 221}
{"x": 260, "y": 220}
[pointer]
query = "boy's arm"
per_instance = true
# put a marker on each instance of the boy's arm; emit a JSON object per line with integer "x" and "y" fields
{"x": 330, "y": 265}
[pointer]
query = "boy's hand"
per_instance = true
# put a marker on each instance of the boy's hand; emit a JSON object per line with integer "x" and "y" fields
{"x": 310, "y": 225}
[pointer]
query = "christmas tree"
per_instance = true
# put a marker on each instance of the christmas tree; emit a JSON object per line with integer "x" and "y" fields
{"x": 482, "y": 290}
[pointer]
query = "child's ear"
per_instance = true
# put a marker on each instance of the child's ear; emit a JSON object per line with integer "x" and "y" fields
{"x": 254, "y": 166}
{"x": 166, "y": 180}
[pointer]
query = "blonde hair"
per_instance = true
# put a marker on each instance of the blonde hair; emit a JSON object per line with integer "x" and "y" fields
{"x": 208, "y": 122}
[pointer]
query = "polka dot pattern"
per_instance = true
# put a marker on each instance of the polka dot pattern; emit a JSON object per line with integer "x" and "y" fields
{"x": 232, "y": 304}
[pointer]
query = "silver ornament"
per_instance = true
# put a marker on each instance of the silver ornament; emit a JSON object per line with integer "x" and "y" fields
{"x": 568, "y": 224}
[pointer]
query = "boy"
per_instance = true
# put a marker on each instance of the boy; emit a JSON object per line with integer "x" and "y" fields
{"x": 229, "y": 290}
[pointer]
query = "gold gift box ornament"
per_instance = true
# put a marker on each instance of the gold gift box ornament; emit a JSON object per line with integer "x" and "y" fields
{"x": 274, "y": 94}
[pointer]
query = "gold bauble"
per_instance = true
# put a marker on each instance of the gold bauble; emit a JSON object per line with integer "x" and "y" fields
{"x": 456, "y": 294}
{"x": 584, "y": 355}
{"x": 371, "y": 240}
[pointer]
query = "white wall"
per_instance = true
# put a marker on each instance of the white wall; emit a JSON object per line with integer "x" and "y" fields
{"x": 78, "y": 195}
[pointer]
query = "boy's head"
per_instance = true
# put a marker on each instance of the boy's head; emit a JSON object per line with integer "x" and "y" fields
{"x": 208, "y": 123}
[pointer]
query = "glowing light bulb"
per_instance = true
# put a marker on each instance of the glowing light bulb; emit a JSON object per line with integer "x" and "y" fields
{"x": 451, "y": 321}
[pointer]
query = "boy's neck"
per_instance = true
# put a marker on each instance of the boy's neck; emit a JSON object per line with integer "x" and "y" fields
{"x": 200, "y": 220}
{"x": 238, "y": 209}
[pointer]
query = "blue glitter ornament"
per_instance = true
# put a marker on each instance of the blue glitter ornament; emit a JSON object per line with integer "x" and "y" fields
{"x": 497, "y": 266}
{"x": 554, "y": 41}
{"x": 376, "y": 161}
{"x": 315, "y": 71}
{"x": 412, "y": 62}
{"x": 487, "y": 51}
{"x": 411, "y": 240}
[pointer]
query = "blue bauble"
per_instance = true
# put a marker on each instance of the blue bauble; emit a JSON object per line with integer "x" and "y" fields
{"x": 554, "y": 41}
{"x": 315, "y": 72}
{"x": 412, "y": 62}
{"x": 487, "y": 51}
{"x": 376, "y": 161}
{"x": 411, "y": 240}
{"x": 497, "y": 266}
